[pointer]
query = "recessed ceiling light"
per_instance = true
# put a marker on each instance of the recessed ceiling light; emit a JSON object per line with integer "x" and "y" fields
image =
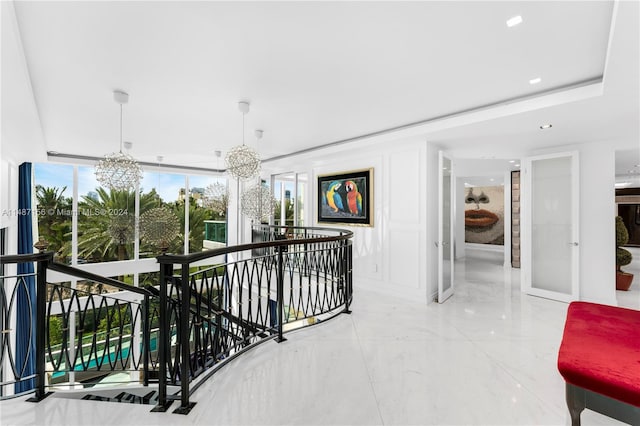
{"x": 517, "y": 165}
{"x": 512, "y": 161}
{"x": 546, "y": 126}
{"x": 535, "y": 80}
{"x": 516, "y": 20}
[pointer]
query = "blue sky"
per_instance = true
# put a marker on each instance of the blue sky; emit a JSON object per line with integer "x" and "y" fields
{"x": 167, "y": 184}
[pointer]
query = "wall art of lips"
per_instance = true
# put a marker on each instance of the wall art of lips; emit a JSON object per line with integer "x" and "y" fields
{"x": 480, "y": 220}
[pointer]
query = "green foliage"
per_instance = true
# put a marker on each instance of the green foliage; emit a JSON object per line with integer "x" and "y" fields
{"x": 106, "y": 223}
{"x": 115, "y": 319}
{"x": 623, "y": 257}
{"x": 288, "y": 211}
{"x": 97, "y": 240}
{"x": 53, "y": 224}
{"x": 622, "y": 235}
{"x": 55, "y": 330}
{"x": 197, "y": 216}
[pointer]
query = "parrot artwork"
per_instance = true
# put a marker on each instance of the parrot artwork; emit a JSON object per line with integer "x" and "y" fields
{"x": 354, "y": 198}
{"x": 333, "y": 198}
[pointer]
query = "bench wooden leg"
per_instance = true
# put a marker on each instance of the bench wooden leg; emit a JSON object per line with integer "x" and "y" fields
{"x": 576, "y": 401}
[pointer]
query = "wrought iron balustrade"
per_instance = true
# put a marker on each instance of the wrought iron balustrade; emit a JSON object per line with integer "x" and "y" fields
{"x": 243, "y": 296}
{"x": 72, "y": 333}
{"x": 209, "y": 307}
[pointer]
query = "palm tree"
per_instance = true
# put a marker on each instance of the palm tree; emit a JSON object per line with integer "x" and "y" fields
{"x": 106, "y": 223}
{"x": 197, "y": 216}
{"x": 54, "y": 222}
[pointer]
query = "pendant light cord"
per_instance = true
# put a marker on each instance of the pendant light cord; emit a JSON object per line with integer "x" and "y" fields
{"x": 243, "y": 114}
{"x": 120, "y": 128}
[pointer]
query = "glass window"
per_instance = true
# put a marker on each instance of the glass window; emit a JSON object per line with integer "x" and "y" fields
{"x": 300, "y": 197}
{"x": 54, "y": 199}
{"x": 163, "y": 190}
{"x": 208, "y": 201}
{"x": 106, "y": 220}
{"x": 284, "y": 193}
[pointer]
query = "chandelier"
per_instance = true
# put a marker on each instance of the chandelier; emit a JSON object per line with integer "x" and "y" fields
{"x": 242, "y": 161}
{"x": 216, "y": 197}
{"x": 119, "y": 171}
{"x": 121, "y": 228}
{"x": 159, "y": 227}
{"x": 257, "y": 202}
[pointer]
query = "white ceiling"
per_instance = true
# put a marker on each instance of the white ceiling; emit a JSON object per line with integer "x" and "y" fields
{"x": 321, "y": 72}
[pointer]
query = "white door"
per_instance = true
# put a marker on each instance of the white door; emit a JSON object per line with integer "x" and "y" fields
{"x": 445, "y": 228}
{"x": 549, "y": 225}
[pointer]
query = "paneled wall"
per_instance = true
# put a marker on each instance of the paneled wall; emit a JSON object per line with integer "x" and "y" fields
{"x": 390, "y": 256}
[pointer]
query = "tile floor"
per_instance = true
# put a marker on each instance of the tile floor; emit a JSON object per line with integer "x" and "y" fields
{"x": 485, "y": 357}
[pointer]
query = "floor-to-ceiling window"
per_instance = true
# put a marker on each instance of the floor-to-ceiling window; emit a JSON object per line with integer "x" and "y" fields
{"x": 54, "y": 200}
{"x": 289, "y": 189}
{"x": 85, "y": 223}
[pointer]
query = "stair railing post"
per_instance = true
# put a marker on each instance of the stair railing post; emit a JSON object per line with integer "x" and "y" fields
{"x": 347, "y": 253}
{"x": 183, "y": 342}
{"x": 280, "y": 291}
{"x": 146, "y": 339}
{"x": 164, "y": 337}
{"x": 41, "y": 329}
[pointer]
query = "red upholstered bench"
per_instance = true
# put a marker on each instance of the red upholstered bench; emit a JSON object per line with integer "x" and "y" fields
{"x": 599, "y": 359}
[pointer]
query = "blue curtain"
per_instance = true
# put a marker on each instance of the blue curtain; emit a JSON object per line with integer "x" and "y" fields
{"x": 26, "y": 295}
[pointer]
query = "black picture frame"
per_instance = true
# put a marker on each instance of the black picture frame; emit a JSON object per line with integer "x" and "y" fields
{"x": 338, "y": 196}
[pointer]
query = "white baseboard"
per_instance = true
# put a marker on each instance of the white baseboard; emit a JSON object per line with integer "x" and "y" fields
{"x": 485, "y": 247}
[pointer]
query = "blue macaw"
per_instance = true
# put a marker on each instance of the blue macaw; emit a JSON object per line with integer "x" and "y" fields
{"x": 333, "y": 198}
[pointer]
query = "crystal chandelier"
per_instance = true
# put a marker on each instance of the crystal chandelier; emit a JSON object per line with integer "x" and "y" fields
{"x": 121, "y": 228}
{"x": 257, "y": 202}
{"x": 242, "y": 161}
{"x": 216, "y": 197}
{"x": 159, "y": 227}
{"x": 119, "y": 171}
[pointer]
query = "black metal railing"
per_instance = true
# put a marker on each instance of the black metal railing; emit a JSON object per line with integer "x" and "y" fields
{"x": 208, "y": 308}
{"x": 18, "y": 298}
{"x": 76, "y": 332}
{"x": 92, "y": 334}
{"x": 225, "y": 301}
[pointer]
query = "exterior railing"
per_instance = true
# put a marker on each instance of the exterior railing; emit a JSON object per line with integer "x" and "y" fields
{"x": 226, "y": 301}
{"x": 209, "y": 307}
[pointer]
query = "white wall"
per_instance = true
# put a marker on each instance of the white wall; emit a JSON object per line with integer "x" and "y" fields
{"x": 21, "y": 134}
{"x": 597, "y": 229}
{"x": 391, "y": 256}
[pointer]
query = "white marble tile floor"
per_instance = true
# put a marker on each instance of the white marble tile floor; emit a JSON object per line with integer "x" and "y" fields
{"x": 487, "y": 356}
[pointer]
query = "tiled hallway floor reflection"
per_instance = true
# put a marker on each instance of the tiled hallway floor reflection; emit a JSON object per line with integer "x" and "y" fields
{"x": 485, "y": 357}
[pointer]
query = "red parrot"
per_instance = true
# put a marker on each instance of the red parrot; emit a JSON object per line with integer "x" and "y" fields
{"x": 354, "y": 198}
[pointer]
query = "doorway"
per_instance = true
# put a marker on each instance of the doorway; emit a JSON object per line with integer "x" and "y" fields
{"x": 484, "y": 218}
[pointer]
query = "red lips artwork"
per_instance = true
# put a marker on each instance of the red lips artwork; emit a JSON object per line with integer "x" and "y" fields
{"x": 479, "y": 219}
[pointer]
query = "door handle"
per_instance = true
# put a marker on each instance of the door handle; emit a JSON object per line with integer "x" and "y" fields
{"x": 575, "y": 244}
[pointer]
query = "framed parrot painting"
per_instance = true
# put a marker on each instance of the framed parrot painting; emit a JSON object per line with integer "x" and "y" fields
{"x": 346, "y": 198}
